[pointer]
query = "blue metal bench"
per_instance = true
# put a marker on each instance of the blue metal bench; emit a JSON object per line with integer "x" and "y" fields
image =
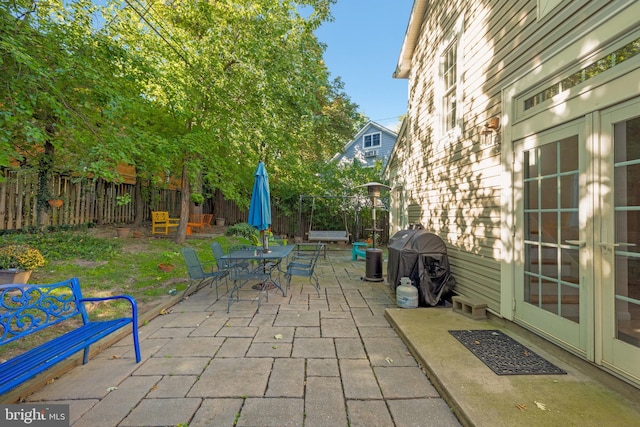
{"x": 27, "y": 309}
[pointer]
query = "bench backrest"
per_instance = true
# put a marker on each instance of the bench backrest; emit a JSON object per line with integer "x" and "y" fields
{"x": 25, "y": 309}
{"x": 196, "y": 219}
{"x": 160, "y": 216}
{"x": 328, "y": 235}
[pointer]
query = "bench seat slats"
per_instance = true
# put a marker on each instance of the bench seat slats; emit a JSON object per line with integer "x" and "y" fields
{"x": 29, "y": 364}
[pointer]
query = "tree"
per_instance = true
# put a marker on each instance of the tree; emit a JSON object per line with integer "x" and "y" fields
{"x": 196, "y": 90}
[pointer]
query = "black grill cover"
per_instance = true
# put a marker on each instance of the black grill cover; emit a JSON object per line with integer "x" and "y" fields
{"x": 421, "y": 256}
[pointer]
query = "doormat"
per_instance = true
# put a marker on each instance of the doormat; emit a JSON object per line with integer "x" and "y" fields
{"x": 504, "y": 355}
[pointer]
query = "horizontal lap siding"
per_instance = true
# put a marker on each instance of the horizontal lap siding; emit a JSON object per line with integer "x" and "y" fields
{"x": 475, "y": 276}
{"x": 458, "y": 183}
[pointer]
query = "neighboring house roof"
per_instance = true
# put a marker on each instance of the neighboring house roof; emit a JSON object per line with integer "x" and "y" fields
{"x": 355, "y": 148}
{"x": 418, "y": 11}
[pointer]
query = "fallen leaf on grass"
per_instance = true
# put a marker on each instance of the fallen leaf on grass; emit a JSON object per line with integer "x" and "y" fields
{"x": 540, "y": 405}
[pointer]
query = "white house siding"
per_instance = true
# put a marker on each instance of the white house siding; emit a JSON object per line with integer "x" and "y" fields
{"x": 456, "y": 181}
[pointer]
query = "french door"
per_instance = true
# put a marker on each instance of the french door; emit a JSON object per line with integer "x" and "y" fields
{"x": 619, "y": 241}
{"x": 577, "y": 275}
{"x": 554, "y": 287}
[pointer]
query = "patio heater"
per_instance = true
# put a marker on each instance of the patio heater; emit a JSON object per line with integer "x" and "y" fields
{"x": 373, "y": 266}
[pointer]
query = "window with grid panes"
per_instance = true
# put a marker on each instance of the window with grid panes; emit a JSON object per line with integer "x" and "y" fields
{"x": 372, "y": 140}
{"x": 449, "y": 79}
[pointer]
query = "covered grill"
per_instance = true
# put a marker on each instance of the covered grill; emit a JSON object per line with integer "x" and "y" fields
{"x": 421, "y": 256}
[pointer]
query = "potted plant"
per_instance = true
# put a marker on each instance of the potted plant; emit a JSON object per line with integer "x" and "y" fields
{"x": 197, "y": 198}
{"x": 55, "y": 203}
{"x": 166, "y": 263}
{"x": 17, "y": 262}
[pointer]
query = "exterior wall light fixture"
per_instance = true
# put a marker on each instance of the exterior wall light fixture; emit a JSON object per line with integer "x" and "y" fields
{"x": 489, "y": 132}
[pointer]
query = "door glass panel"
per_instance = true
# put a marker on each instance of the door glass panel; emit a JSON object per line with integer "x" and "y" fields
{"x": 532, "y": 226}
{"x": 569, "y": 155}
{"x": 569, "y": 185}
{"x": 548, "y": 159}
{"x": 552, "y": 280}
{"x": 549, "y": 192}
{"x": 569, "y": 226}
{"x": 627, "y": 223}
{"x": 549, "y": 227}
{"x": 531, "y": 260}
{"x": 532, "y": 191}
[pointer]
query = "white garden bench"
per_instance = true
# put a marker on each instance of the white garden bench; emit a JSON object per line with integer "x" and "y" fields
{"x": 328, "y": 236}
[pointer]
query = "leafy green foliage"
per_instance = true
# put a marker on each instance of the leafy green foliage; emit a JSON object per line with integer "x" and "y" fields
{"x": 61, "y": 246}
{"x": 242, "y": 229}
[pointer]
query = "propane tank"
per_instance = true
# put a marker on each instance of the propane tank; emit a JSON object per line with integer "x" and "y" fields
{"x": 406, "y": 294}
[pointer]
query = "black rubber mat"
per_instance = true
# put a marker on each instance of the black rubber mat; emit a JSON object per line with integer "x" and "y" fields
{"x": 504, "y": 355}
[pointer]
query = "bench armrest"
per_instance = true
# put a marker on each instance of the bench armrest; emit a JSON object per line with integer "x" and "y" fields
{"x": 134, "y": 319}
{"x": 132, "y": 302}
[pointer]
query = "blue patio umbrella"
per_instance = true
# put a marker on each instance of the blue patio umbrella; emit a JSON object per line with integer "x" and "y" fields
{"x": 260, "y": 208}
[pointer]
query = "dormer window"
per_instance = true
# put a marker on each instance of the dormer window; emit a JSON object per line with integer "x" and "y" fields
{"x": 372, "y": 140}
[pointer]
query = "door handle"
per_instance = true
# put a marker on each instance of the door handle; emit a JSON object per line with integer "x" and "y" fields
{"x": 608, "y": 246}
{"x": 579, "y": 243}
{"x": 615, "y": 245}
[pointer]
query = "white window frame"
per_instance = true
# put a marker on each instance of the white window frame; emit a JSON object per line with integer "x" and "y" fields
{"x": 454, "y": 40}
{"x": 370, "y": 135}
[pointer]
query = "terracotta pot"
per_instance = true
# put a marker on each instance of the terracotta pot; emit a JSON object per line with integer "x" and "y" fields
{"x": 56, "y": 203}
{"x": 220, "y": 221}
{"x": 123, "y": 231}
{"x": 8, "y": 277}
{"x": 166, "y": 267}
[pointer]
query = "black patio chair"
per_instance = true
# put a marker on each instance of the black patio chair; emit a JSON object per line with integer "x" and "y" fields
{"x": 199, "y": 275}
{"x": 304, "y": 267}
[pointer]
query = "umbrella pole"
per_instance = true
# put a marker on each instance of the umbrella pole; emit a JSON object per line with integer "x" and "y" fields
{"x": 265, "y": 242}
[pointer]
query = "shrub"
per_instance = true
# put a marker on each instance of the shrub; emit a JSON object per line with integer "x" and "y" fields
{"x": 21, "y": 257}
{"x": 242, "y": 229}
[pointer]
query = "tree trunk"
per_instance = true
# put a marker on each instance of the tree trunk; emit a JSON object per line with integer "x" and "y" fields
{"x": 100, "y": 196}
{"x": 181, "y": 234}
{"x": 44, "y": 176}
{"x": 138, "y": 202}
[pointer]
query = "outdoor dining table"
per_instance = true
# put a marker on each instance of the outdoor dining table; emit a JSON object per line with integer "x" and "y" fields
{"x": 265, "y": 264}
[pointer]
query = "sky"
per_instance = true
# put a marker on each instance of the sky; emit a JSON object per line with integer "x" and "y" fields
{"x": 363, "y": 47}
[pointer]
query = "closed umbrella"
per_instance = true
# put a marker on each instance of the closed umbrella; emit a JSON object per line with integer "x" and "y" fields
{"x": 260, "y": 208}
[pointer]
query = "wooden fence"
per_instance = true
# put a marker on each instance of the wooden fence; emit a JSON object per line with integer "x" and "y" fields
{"x": 84, "y": 201}
{"x": 96, "y": 201}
